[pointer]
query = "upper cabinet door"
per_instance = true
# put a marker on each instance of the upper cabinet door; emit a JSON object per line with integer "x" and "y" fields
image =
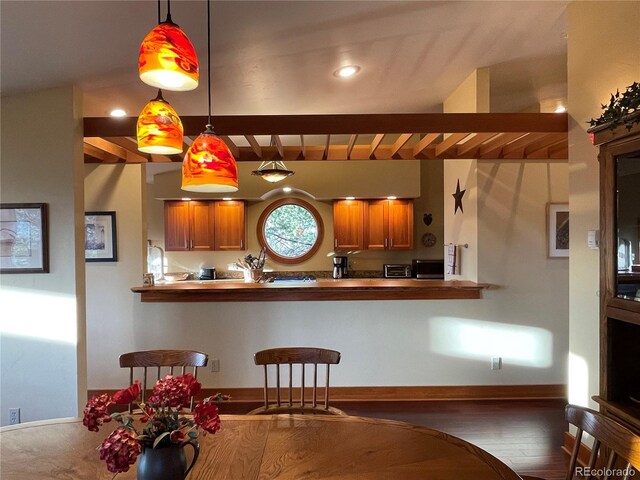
{"x": 348, "y": 225}
{"x": 377, "y": 225}
{"x": 202, "y": 221}
{"x": 229, "y": 226}
{"x": 176, "y": 226}
{"x": 400, "y": 224}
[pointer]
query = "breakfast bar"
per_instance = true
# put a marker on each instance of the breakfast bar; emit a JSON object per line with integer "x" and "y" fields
{"x": 323, "y": 289}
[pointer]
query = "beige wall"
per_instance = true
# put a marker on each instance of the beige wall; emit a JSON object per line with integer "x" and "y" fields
{"x": 603, "y": 55}
{"x": 43, "y": 316}
{"x": 110, "y": 305}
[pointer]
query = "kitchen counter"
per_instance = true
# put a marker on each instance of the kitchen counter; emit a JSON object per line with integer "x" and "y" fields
{"x": 323, "y": 289}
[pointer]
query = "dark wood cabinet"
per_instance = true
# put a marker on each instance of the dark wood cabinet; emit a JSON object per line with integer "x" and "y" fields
{"x": 389, "y": 225}
{"x": 348, "y": 224}
{"x": 203, "y": 225}
{"x": 619, "y": 277}
{"x": 229, "y": 225}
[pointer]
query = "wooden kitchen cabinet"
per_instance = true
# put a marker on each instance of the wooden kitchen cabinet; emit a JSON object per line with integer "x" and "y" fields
{"x": 188, "y": 226}
{"x": 203, "y": 225}
{"x": 389, "y": 225}
{"x": 229, "y": 225}
{"x": 348, "y": 224}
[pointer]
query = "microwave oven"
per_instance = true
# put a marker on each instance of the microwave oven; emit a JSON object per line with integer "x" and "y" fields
{"x": 397, "y": 271}
{"x": 428, "y": 269}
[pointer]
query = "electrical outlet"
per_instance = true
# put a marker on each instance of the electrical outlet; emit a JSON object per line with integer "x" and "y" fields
{"x": 215, "y": 365}
{"x": 496, "y": 363}
{"x": 14, "y": 416}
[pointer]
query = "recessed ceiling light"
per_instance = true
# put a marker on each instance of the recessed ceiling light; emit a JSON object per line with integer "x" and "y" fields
{"x": 560, "y": 109}
{"x": 286, "y": 189}
{"x": 118, "y": 112}
{"x": 347, "y": 71}
{"x": 391, "y": 197}
{"x": 185, "y": 199}
{"x": 226, "y": 199}
{"x": 350, "y": 198}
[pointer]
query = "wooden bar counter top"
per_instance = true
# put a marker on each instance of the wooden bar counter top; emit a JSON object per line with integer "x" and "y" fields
{"x": 323, "y": 289}
{"x": 261, "y": 447}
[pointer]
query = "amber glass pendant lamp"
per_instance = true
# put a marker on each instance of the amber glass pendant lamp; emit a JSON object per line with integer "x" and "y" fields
{"x": 159, "y": 128}
{"x": 167, "y": 58}
{"x": 208, "y": 165}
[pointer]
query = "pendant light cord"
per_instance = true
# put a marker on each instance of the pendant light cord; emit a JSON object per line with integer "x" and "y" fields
{"x": 209, "y": 59}
{"x": 159, "y": 20}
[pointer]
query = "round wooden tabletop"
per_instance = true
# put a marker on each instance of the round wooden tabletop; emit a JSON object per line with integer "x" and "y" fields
{"x": 264, "y": 447}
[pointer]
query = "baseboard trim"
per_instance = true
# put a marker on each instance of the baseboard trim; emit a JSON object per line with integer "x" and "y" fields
{"x": 401, "y": 394}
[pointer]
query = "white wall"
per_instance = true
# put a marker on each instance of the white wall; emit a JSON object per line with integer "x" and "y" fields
{"x": 43, "y": 340}
{"x": 110, "y": 305}
{"x": 603, "y": 55}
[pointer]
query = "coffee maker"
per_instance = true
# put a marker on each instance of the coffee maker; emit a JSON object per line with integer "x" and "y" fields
{"x": 340, "y": 267}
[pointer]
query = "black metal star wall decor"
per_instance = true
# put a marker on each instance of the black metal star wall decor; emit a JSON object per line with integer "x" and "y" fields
{"x": 458, "y": 196}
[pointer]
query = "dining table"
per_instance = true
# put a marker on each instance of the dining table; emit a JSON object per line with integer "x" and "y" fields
{"x": 251, "y": 447}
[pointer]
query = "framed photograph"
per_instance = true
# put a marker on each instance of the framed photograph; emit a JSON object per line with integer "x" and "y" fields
{"x": 100, "y": 240}
{"x": 557, "y": 230}
{"x": 24, "y": 238}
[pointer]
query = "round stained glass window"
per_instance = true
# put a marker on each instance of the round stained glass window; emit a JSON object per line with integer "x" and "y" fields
{"x": 291, "y": 230}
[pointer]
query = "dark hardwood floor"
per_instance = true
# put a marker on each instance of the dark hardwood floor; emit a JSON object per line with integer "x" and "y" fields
{"x": 527, "y": 435}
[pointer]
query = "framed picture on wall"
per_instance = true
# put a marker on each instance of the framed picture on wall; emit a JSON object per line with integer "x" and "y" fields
{"x": 24, "y": 238}
{"x": 100, "y": 239}
{"x": 557, "y": 230}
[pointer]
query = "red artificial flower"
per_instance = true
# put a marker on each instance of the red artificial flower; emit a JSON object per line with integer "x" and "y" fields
{"x": 206, "y": 416}
{"x": 176, "y": 436}
{"x": 148, "y": 413}
{"x": 175, "y": 391}
{"x": 127, "y": 395}
{"x": 95, "y": 412}
{"x": 120, "y": 450}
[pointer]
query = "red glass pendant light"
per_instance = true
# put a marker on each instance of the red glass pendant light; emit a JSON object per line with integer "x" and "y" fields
{"x": 209, "y": 165}
{"x": 159, "y": 128}
{"x": 167, "y": 58}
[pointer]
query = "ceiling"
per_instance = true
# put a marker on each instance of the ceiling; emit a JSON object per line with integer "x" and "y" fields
{"x": 277, "y": 57}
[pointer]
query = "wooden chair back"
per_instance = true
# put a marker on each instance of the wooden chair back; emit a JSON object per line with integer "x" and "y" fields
{"x": 164, "y": 362}
{"x": 301, "y": 356}
{"x": 619, "y": 441}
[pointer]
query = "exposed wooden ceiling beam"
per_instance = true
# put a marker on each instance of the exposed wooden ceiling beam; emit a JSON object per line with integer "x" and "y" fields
{"x": 402, "y": 139}
{"x": 255, "y": 146}
{"x": 325, "y": 154}
{"x": 375, "y": 144}
{"x": 473, "y": 143}
{"x": 99, "y": 156}
{"x": 424, "y": 142}
{"x": 516, "y": 148}
{"x": 116, "y": 150}
{"x": 349, "y": 124}
{"x": 278, "y": 144}
{"x": 543, "y": 144}
{"x": 449, "y": 143}
{"x": 352, "y": 142}
{"x": 493, "y": 148}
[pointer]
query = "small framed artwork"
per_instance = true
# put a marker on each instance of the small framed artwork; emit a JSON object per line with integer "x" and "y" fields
{"x": 24, "y": 238}
{"x": 557, "y": 230}
{"x": 100, "y": 239}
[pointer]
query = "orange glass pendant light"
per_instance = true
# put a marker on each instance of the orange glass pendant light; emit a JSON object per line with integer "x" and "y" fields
{"x": 159, "y": 128}
{"x": 167, "y": 58}
{"x": 208, "y": 165}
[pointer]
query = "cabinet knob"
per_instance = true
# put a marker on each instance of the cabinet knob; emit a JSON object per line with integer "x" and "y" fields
{"x": 241, "y": 244}
{"x": 385, "y": 243}
{"x": 391, "y": 243}
{"x": 335, "y": 243}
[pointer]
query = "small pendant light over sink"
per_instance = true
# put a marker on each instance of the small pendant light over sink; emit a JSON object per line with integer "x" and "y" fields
{"x": 159, "y": 128}
{"x": 273, "y": 171}
{"x": 167, "y": 58}
{"x": 209, "y": 165}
